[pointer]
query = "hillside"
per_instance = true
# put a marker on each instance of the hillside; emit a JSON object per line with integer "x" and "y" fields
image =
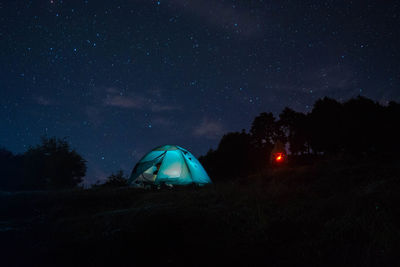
{"x": 331, "y": 213}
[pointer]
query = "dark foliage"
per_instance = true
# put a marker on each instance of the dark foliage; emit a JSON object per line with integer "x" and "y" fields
{"x": 327, "y": 124}
{"x": 358, "y": 127}
{"x": 294, "y": 125}
{"x": 10, "y": 165}
{"x": 328, "y": 213}
{"x": 232, "y": 157}
{"x": 49, "y": 165}
{"x": 115, "y": 180}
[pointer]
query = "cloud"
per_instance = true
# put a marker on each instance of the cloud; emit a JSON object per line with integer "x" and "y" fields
{"x": 209, "y": 128}
{"x": 159, "y": 108}
{"x": 222, "y": 15}
{"x": 151, "y": 102}
{"x": 164, "y": 122}
{"x": 44, "y": 101}
{"x": 331, "y": 77}
{"x": 305, "y": 87}
{"x": 125, "y": 102}
{"x": 94, "y": 115}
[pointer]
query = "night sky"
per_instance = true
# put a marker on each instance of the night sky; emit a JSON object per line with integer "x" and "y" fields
{"x": 118, "y": 78}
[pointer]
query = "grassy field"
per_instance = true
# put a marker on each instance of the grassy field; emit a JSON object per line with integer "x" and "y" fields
{"x": 331, "y": 213}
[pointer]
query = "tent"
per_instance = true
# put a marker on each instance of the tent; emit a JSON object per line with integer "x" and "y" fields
{"x": 171, "y": 165}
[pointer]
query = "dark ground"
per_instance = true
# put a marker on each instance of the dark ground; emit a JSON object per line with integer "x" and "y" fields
{"x": 332, "y": 213}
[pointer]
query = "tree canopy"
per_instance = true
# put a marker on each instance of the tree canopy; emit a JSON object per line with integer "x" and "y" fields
{"x": 357, "y": 127}
{"x": 50, "y": 165}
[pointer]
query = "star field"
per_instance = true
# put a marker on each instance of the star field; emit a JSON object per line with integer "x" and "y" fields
{"x": 118, "y": 78}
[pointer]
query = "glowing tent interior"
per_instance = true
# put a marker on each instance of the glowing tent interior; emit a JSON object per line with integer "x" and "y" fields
{"x": 169, "y": 164}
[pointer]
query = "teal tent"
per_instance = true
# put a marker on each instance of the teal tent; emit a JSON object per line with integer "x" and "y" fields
{"x": 171, "y": 165}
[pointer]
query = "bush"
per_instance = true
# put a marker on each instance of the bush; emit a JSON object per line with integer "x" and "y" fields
{"x": 116, "y": 180}
{"x": 49, "y": 165}
{"x": 53, "y": 164}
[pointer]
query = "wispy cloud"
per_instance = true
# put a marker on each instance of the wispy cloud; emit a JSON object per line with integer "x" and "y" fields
{"x": 162, "y": 121}
{"x": 210, "y": 129}
{"x": 152, "y": 102}
{"x": 44, "y": 101}
{"x": 222, "y": 15}
{"x": 331, "y": 77}
{"x": 94, "y": 115}
{"x": 125, "y": 102}
{"x": 159, "y": 108}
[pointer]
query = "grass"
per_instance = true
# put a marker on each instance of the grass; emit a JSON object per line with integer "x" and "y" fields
{"x": 331, "y": 213}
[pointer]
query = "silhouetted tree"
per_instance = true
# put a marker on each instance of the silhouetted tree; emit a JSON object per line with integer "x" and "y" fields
{"x": 295, "y": 126}
{"x": 356, "y": 127}
{"x": 362, "y": 124}
{"x": 326, "y": 126}
{"x": 53, "y": 164}
{"x": 210, "y": 162}
{"x": 265, "y": 131}
{"x": 116, "y": 180}
{"x": 232, "y": 158}
{"x": 11, "y": 170}
{"x": 389, "y": 137}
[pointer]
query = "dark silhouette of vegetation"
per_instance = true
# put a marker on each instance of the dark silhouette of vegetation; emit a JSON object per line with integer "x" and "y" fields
{"x": 49, "y": 165}
{"x": 340, "y": 209}
{"x": 358, "y": 127}
{"x": 232, "y": 153}
{"x": 115, "y": 180}
{"x": 329, "y": 213}
{"x": 295, "y": 127}
{"x": 11, "y": 168}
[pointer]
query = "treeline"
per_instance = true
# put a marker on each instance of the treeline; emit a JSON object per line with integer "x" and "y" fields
{"x": 49, "y": 165}
{"x": 358, "y": 127}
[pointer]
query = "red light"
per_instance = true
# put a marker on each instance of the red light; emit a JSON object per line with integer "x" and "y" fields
{"x": 279, "y": 157}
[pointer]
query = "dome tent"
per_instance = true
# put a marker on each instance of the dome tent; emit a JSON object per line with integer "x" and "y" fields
{"x": 168, "y": 164}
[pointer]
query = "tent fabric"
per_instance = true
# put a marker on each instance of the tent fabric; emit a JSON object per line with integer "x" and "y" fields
{"x": 169, "y": 164}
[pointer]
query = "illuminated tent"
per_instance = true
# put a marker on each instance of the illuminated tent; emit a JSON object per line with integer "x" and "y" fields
{"x": 168, "y": 164}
